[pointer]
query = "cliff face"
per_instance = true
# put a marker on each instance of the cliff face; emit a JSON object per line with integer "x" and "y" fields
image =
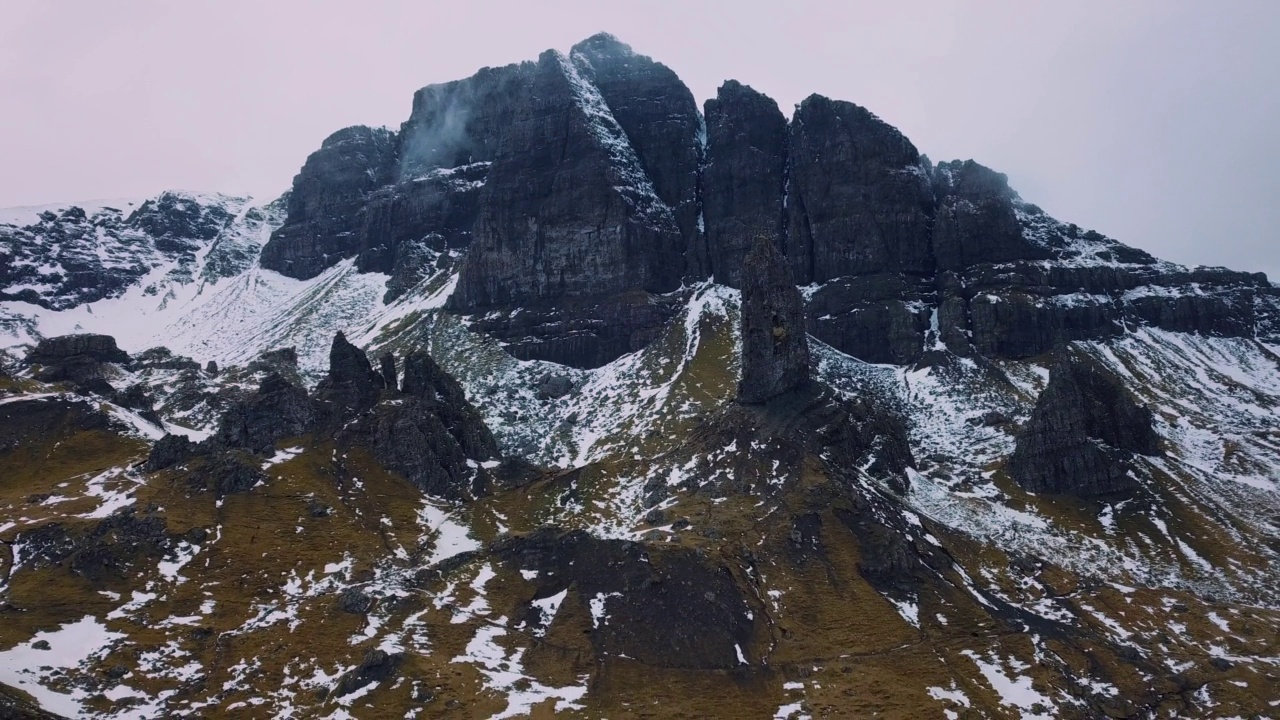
{"x": 585, "y": 187}
{"x": 1083, "y": 433}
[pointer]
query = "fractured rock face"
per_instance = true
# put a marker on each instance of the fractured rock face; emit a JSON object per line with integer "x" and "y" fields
{"x": 567, "y": 211}
{"x": 100, "y": 348}
{"x": 775, "y": 348}
{"x": 352, "y": 384}
{"x": 859, "y": 198}
{"x": 79, "y": 359}
{"x": 659, "y": 116}
{"x": 1083, "y": 433}
{"x": 743, "y": 179}
{"x": 327, "y": 196}
{"x": 976, "y": 220}
{"x": 570, "y": 218}
{"x": 426, "y": 380}
{"x": 279, "y": 409}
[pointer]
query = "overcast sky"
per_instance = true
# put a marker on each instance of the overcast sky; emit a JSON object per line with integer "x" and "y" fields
{"x": 1153, "y": 121}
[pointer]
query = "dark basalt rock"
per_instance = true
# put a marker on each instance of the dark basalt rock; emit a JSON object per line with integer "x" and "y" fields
{"x": 279, "y": 409}
{"x": 162, "y": 358}
{"x": 410, "y": 437}
{"x": 77, "y": 359}
{"x": 436, "y": 211}
{"x": 114, "y": 548}
{"x": 460, "y": 123}
{"x": 552, "y": 387}
{"x": 280, "y": 360}
{"x": 387, "y": 368}
{"x": 659, "y": 116}
{"x": 352, "y": 384}
{"x": 46, "y": 420}
{"x": 138, "y": 397}
{"x": 663, "y": 606}
{"x": 377, "y": 666}
{"x": 228, "y": 473}
{"x": 575, "y": 185}
{"x": 744, "y": 178}
{"x": 100, "y": 348}
{"x": 168, "y": 451}
{"x": 427, "y": 381}
{"x": 976, "y": 221}
{"x": 355, "y": 601}
{"x": 859, "y": 196}
{"x": 775, "y": 347}
{"x": 568, "y": 212}
{"x": 880, "y": 318}
{"x": 581, "y": 332}
{"x": 1083, "y": 433}
{"x": 851, "y": 435}
{"x": 326, "y": 199}
{"x": 415, "y": 261}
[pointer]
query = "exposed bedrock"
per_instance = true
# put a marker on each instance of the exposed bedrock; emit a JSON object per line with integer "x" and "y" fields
{"x": 744, "y": 178}
{"x": 585, "y": 187}
{"x": 1083, "y": 433}
{"x": 775, "y": 347}
{"x": 422, "y": 427}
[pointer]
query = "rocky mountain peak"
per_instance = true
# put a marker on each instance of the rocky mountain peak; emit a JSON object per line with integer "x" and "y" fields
{"x": 586, "y": 474}
{"x": 744, "y": 178}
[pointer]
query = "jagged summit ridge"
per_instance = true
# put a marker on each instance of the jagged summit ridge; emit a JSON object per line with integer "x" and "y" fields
{"x": 588, "y": 184}
{"x": 576, "y": 193}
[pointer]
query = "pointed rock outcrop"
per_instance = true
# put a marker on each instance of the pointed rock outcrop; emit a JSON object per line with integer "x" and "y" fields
{"x": 1083, "y": 433}
{"x": 430, "y": 433}
{"x": 325, "y": 204}
{"x": 438, "y": 390}
{"x": 387, "y": 368}
{"x": 775, "y": 348}
{"x": 743, "y": 179}
{"x": 352, "y": 384}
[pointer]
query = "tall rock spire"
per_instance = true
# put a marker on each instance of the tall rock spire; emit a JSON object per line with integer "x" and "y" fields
{"x": 775, "y": 349}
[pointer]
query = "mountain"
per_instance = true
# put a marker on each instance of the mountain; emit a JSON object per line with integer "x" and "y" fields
{"x": 568, "y": 397}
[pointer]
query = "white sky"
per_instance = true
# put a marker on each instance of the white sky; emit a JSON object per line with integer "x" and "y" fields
{"x": 1153, "y": 121}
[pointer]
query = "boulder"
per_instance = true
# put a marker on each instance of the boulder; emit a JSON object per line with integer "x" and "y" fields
{"x": 168, "y": 451}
